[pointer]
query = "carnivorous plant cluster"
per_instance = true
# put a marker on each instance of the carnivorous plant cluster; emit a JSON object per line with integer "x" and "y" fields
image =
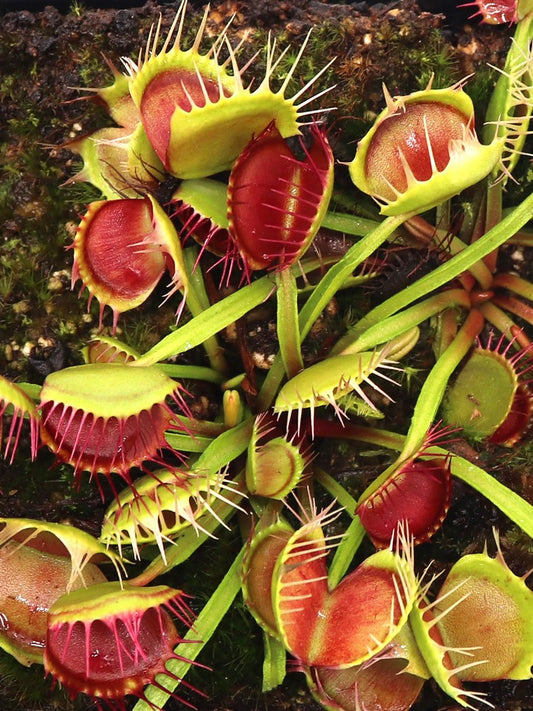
{"x": 329, "y": 572}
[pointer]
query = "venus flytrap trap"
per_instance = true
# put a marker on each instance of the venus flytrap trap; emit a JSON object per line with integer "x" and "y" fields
{"x": 163, "y": 504}
{"x": 452, "y": 631}
{"x": 32, "y": 580}
{"x": 386, "y": 676}
{"x": 503, "y": 421}
{"x": 311, "y": 630}
{"x": 197, "y": 116}
{"x": 509, "y": 110}
{"x": 109, "y": 641}
{"x": 292, "y": 194}
{"x": 421, "y": 151}
{"x": 275, "y": 464}
{"x": 201, "y": 207}
{"x": 326, "y": 382}
{"x": 515, "y": 507}
{"x": 290, "y": 566}
{"x": 484, "y": 584}
{"x": 16, "y": 405}
{"x": 415, "y": 490}
{"x": 106, "y": 349}
{"x": 85, "y": 425}
{"x": 364, "y": 631}
{"x": 40, "y": 562}
{"x": 502, "y": 11}
{"x": 144, "y": 245}
{"x": 118, "y": 161}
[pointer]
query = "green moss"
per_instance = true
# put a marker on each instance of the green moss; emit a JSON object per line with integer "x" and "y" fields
{"x": 77, "y": 8}
{"x": 433, "y": 60}
{"x": 91, "y": 66}
{"x": 479, "y": 87}
{"x": 321, "y": 48}
{"x": 26, "y": 688}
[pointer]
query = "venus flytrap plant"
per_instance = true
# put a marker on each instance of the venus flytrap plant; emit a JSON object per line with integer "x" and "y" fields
{"x": 189, "y": 114}
{"x": 502, "y": 11}
{"x": 121, "y": 250}
{"x": 422, "y": 150}
{"x": 109, "y": 641}
{"x": 197, "y": 116}
{"x": 15, "y": 404}
{"x": 40, "y": 562}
